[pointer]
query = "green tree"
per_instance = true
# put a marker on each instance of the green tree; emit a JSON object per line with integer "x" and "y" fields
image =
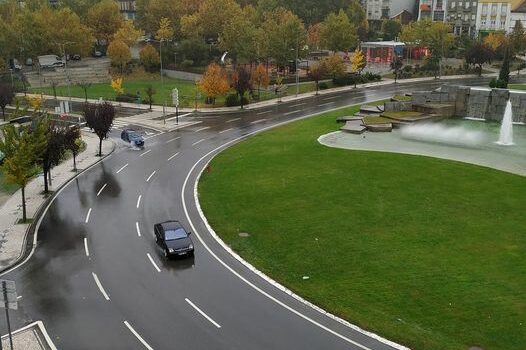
{"x": 238, "y": 37}
{"x": 518, "y": 38}
{"x": 391, "y": 29}
{"x": 105, "y": 20}
{"x": 73, "y": 143}
{"x": 396, "y": 65}
{"x": 337, "y": 33}
{"x": 7, "y": 94}
{"x": 149, "y": 91}
{"x": 479, "y": 54}
{"x": 504, "y": 74}
{"x": 358, "y": 18}
{"x": 54, "y": 150}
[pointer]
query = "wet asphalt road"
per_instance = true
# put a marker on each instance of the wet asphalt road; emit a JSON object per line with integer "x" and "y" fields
{"x": 210, "y": 301}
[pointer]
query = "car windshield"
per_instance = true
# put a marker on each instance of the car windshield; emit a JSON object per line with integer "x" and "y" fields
{"x": 134, "y": 136}
{"x": 171, "y": 235}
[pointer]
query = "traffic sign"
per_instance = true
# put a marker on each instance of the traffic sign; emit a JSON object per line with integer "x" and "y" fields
{"x": 175, "y": 97}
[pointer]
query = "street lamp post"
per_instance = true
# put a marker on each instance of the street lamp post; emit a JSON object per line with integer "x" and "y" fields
{"x": 297, "y": 68}
{"x": 63, "y": 47}
{"x": 162, "y": 78}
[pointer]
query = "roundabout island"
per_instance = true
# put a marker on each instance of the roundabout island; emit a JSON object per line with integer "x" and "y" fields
{"x": 410, "y": 241}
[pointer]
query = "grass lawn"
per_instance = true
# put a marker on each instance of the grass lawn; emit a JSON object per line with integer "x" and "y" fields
{"x": 187, "y": 91}
{"x": 370, "y": 120}
{"x": 401, "y": 114}
{"x": 517, "y": 86}
{"x": 6, "y": 188}
{"x": 426, "y": 252}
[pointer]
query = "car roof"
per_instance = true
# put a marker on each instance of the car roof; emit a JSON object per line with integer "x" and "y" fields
{"x": 171, "y": 225}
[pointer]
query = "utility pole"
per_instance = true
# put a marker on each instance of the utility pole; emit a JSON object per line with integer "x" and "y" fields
{"x": 297, "y": 66}
{"x": 162, "y": 80}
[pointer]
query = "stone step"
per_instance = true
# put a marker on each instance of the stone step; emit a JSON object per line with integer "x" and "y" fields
{"x": 353, "y": 127}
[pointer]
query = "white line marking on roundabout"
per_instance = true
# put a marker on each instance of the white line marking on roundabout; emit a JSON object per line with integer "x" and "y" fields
{"x": 172, "y": 157}
{"x": 153, "y": 262}
{"x": 174, "y": 139}
{"x": 139, "y": 201}
{"x": 233, "y": 120}
{"x": 258, "y": 121}
{"x": 252, "y": 268}
{"x": 289, "y": 113}
{"x": 202, "y": 129}
{"x": 101, "y": 189}
{"x": 138, "y": 229}
{"x": 326, "y": 104}
{"x": 100, "y": 286}
{"x": 227, "y": 130}
{"x": 86, "y": 246}
{"x": 145, "y": 153}
{"x": 137, "y": 336}
{"x": 264, "y": 112}
{"x": 121, "y": 169}
{"x": 198, "y": 142}
{"x": 202, "y": 313}
{"x": 151, "y": 175}
{"x": 87, "y": 216}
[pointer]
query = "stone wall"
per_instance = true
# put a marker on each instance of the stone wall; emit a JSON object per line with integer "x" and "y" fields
{"x": 398, "y": 106}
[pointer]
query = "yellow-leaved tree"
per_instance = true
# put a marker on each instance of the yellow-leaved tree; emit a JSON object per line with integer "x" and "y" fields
{"x": 260, "y": 78}
{"x": 165, "y": 31}
{"x": 116, "y": 85}
{"x": 214, "y": 82}
{"x": 119, "y": 53}
{"x": 128, "y": 34}
{"x": 358, "y": 61}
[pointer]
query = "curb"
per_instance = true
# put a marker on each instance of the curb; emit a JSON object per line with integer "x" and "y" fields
{"x": 40, "y": 326}
{"x": 29, "y": 245}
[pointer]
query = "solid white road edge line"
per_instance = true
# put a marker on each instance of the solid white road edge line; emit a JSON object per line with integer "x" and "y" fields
{"x": 202, "y": 313}
{"x": 172, "y": 157}
{"x": 153, "y": 262}
{"x": 139, "y": 201}
{"x": 121, "y": 169}
{"x": 174, "y": 139}
{"x": 101, "y": 189}
{"x": 138, "y": 229}
{"x": 138, "y": 336}
{"x": 100, "y": 286}
{"x": 86, "y": 246}
{"x": 256, "y": 271}
{"x": 150, "y": 177}
{"x": 87, "y": 216}
{"x": 227, "y": 130}
{"x": 145, "y": 153}
{"x": 232, "y": 120}
{"x": 195, "y": 143}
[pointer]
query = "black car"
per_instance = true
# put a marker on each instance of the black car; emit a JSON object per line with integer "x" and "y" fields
{"x": 133, "y": 137}
{"x": 173, "y": 239}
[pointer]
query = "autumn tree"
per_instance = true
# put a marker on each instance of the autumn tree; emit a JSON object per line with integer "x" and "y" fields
{"x": 120, "y": 54}
{"x": 99, "y": 117}
{"x": 214, "y": 82}
{"x": 242, "y": 83}
{"x": 54, "y": 150}
{"x": 358, "y": 62}
{"x": 7, "y": 94}
{"x": 73, "y": 143}
{"x": 313, "y": 36}
{"x": 150, "y": 58}
{"x": 128, "y": 34}
{"x": 337, "y": 33}
{"x": 105, "y": 20}
{"x": 334, "y": 66}
{"x": 214, "y": 15}
{"x": 479, "y": 54}
{"x": 316, "y": 73}
{"x": 238, "y": 37}
{"x": 149, "y": 91}
{"x": 20, "y": 150}
{"x": 495, "y": 41}
{"x": 260, "y": 78}
{"x": 165, "y": 31}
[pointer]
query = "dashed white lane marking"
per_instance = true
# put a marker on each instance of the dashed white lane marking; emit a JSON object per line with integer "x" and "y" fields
{"x": 258, "y": 121}
{"x": 138, "y": 336}
{"x": 326, "y": 104}
{"x": 227, "y": 130}
{"x": 100, "y": 286}
{"x": 174, "y": 139}
{"x": 19, "y": 297}
{"x": 195, "y": 143}
{"x": 87, "y": 216}
{"x": 202, "y": 129}
{"x": 139, "y": 201}
{"x": 153, "y": 262}
{"x": 296, "y": 111}
{"x": 86, "y": 246}
{"x": 264, "y": 112}
{"x": 121, "y": 169}
{"x": 330, "y": 98}
{"x": 202, "y": 313}
{"x": 233, "y": 120}
{"x": 145, "y": 153}
{"x": 151, "y": 175}
{"x": 101, "y": 189}
{"x": 298, "y": 104}
{"x": 172, "y": 157}
{"x": 138, "y": 229}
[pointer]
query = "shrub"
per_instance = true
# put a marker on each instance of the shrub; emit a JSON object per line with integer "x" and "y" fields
{"x": 232, "y": 100}
{"x": 186, "y": 63}
{"x": 498, "y": 83}
{"x": 126, "y": 97}
{"x": 149, "y": 58}
{"x": 323, "y": 86}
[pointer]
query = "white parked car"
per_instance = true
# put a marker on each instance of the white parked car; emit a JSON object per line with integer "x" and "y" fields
{"x": 50, "y": 61}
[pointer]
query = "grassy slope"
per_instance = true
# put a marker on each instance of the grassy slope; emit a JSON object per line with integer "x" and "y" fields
{"x": 426, "y": 252}
{"x": 5, "y": 187}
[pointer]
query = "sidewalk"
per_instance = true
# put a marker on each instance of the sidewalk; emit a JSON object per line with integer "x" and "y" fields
{"x": 13, "y": 236}
{"x": 272, "y": 102}
{"x": 31, "y": 337}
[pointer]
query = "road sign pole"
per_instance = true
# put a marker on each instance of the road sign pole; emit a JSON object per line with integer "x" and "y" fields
{"x": 177, "y": 115}
{"x": 6, "y": 305}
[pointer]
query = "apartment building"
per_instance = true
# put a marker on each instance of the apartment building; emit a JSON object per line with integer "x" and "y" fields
{"x": 462, "y": 15}
{"x": 435, "y": 10}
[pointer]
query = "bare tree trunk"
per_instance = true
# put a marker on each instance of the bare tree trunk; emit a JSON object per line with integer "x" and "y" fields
{"x": 46, "y": 187}
{"x": 74, "y": 161}
{"x": 100, "y": 146}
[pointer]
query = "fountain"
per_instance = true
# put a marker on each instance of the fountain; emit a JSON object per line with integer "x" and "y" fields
{"x": 506, "y": 129}
{"x": 438, "y": 133}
